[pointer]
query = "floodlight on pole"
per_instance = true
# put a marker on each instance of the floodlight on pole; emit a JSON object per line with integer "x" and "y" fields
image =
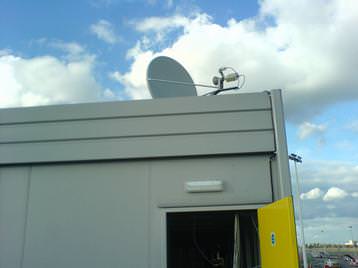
{"x": 298, "y": 159}
{"x": 295, "y": 158}
{"x": 351, "y": 231}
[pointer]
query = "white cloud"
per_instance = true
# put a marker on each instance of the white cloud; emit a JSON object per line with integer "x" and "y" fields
{"x": 307, "y": 129}
{"x": 315, "y": 72}
{"x": 168, "y": 3}
{"x": 46, "y": 80}
{"x": 157, "y": 24}
{"x": 72, "y": 48}
{"x": 109, "y": 94}
{"x": 327, "y": 173}
{"x": 4, "y": 52}
{"x": 335, "y": 193}
{"x": 338, "y": 182}
{"x": 161, "y": 27}
{"x": 104, "y": 30}
{"x": 312, "y": 194}
{"x": 353, "y": 126}
{"x": 134, "y": 81}
{"x": 329, "y": 229}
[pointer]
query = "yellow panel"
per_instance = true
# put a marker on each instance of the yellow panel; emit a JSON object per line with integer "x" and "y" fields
{"x": 277, "y": 231}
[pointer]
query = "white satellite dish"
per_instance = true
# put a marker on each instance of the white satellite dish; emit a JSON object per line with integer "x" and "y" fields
{"x": 167, "y": 78}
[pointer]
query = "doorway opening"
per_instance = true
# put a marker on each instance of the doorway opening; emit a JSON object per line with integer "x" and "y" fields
{"x": 222, "y": 239}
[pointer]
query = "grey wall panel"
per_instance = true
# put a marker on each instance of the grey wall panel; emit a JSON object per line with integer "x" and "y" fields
{"x": 137, "y": 129}
{"x": 108, "y": 214}
{"x": 89, "y": 215}
{"x": 13, "y": 205}
{"x": 242, "y": 102}
{"x": 246, "y": 180}
{"x": 139, "y": 147}
{"x": 138, "y": 126}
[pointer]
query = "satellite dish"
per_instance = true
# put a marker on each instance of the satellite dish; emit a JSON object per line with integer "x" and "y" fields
{"x": 167, "y": 78}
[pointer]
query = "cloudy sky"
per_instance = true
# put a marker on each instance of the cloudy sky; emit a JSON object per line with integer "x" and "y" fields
{"x": 97, "y": 50}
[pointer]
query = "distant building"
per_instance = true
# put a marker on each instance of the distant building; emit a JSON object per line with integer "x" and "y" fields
{"x": 351, "y": 243}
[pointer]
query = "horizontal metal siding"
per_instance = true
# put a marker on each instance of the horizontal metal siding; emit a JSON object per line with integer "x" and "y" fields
{"x": 196, "y": 129}
{"x": 136, "y": 127}
{"x": 146, "y": 147}
{"x": 248, "y": 101}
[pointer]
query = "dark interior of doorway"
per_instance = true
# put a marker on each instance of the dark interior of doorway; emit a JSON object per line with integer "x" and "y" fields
{"x": 223, "y": 239}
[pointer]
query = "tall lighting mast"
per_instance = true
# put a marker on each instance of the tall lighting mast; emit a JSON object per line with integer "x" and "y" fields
{"x": 298, "y": 159}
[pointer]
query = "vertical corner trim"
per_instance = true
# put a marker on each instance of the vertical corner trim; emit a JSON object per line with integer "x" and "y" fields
{"x": 284, "y": 178}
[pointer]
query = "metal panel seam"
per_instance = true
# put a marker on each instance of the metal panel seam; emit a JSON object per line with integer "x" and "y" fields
{"x": 137, "y": 136}
{"x": 26, "y": 216}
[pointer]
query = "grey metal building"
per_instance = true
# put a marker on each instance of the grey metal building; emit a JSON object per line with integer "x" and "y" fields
{"x": 140, "y": 183}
